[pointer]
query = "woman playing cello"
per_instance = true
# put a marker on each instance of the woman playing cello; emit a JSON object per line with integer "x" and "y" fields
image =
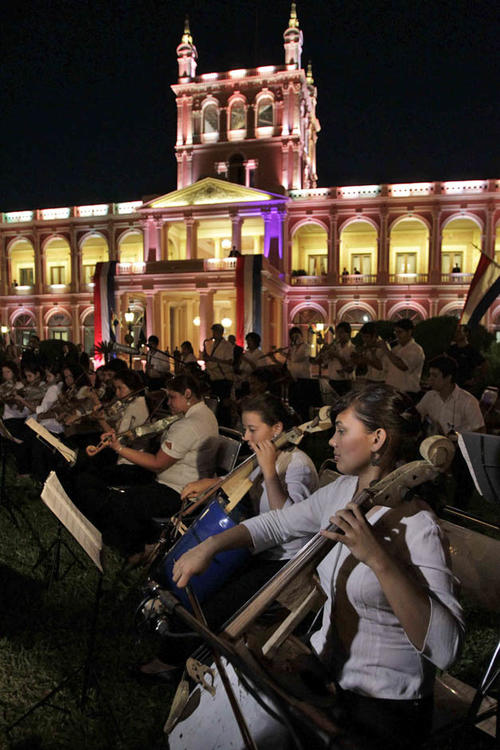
{"x": 282, "y": 479}
{"x": 391, "y": 616}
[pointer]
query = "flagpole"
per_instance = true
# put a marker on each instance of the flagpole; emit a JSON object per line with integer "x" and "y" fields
{"x": 492, "y": 260}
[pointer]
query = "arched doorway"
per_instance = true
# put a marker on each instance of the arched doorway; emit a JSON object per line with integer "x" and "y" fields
{"x": 358, "y": 249}
{"x": 24, "y": 326}
{"x": 59, "y": 326}
{"x": 310, "y": 250}
{"x": 57, "y": 255}
{"x": 94, "y": 250}
{"x": 131, "y": 247}
{"x": 22, "y": 263}
{"x": 409, "y": 250}
{"x": 357, "y": 317}
{"x": 460, "y": 248}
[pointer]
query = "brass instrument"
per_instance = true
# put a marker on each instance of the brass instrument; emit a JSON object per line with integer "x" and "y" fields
{"x": 148, "y": 428}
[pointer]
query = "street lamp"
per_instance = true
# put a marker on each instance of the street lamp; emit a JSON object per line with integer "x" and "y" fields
{"x": 129, "y": 338}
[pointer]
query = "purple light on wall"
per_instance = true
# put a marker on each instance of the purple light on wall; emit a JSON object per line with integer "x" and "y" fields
{"x": 273, "y": 235}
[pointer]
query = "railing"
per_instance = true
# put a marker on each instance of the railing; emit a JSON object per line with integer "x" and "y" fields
{"x": 408, "y": 278}
{"x": 353, "y": 279}
{"x": 219, "y": 264}
{"x": 308, "y": 280}
{"x": 456, "y": 278}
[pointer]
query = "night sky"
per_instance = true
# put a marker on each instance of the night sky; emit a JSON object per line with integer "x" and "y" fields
{"x": 407, "y": 90}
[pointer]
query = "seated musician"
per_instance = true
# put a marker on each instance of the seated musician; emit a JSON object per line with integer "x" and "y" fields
{"x": 93, "y": 475}
{"x": 42, "y": 459}
{"x": 187, "y": 452}
{"x": 16, "y": 410}
{"x": 392, "y": 615}
{"x": 282, "y": 479}
{"x": 252, "y": 359}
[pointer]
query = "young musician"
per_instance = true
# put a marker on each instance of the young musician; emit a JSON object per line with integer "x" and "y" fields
{"x": 282, "y": 479}
{"x": 392, "y": 615}
{"x": 187, "y": 452}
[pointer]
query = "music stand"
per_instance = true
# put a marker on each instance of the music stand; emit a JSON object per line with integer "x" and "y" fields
{"x": 6, "y": 436}
{"x": 90, "y": 540}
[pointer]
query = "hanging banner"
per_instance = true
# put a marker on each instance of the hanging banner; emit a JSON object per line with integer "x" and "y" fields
{"x": 104, "y": 301}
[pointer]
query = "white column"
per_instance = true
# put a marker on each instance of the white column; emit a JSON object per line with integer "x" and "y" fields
{"x": 236, "y": 223}
{"x": 206, "y": 314}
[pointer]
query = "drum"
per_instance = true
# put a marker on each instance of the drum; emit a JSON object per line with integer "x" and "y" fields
{"x": 213, "y": 520}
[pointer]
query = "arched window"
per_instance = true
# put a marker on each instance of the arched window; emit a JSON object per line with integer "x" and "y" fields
{"x": 59, "y": 326}
{"x": 238, "y": 119}
{"x": 407, "y": 312}
{"x": 24, "y": 326}
{"x": 88, "y": 334}
{"x": 265, "y": 116}
{"x": 210, "y": 120}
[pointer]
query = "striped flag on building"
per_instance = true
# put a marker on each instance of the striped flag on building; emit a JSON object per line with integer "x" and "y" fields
{"x": 104, "y": 301}
{"x": 483, "y": 291}
{"x": 248, "y": 296}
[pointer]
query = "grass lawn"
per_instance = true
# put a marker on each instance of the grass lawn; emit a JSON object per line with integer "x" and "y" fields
{"x": 43, "y": 632}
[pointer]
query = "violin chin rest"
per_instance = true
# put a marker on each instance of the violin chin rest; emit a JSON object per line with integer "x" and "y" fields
{"x": 438, "y": 451}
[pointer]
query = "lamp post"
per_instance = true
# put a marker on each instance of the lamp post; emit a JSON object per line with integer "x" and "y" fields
{"x": 129, "y": 338}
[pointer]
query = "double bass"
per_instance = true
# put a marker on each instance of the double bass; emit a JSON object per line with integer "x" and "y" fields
{"x": 261, "y": 644}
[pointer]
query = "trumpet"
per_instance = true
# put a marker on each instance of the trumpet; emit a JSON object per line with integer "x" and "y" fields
{"x": 148, "y": 428}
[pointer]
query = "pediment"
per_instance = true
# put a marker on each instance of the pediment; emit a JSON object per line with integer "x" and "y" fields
{"x": 210, "y": 190}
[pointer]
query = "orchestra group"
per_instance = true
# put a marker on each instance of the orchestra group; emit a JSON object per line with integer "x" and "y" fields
{"x": 391, "y": 616}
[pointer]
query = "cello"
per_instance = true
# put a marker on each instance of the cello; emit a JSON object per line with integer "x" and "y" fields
{"x": 265, "y": 649}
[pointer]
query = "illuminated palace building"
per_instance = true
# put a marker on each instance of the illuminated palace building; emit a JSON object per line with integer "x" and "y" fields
{"x": 246, "y": 178}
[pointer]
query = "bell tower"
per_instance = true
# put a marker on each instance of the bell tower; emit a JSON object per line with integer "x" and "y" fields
{"x": 253, "y": 126}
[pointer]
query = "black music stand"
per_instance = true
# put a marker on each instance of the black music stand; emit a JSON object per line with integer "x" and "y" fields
{"x": 5, "y": 503}
{"x": 90, "y": 540}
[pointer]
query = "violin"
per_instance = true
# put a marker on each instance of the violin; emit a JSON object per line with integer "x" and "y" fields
{"x": 148, "y": 428}
{"x": 266, "y": 650}
{"x": 232, "y": 488}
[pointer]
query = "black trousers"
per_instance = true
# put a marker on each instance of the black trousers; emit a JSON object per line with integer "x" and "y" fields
{"x": 380, "y": 724}
{"x": 126, "y": 519}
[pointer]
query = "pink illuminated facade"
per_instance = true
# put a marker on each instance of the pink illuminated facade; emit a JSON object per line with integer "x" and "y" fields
{"x": 246, "y": 178}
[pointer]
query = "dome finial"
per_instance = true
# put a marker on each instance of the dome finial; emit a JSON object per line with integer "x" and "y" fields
{"x": 309, "y": 75}
{"x": 293, "y": 23}
{"x": 186, "y": 37}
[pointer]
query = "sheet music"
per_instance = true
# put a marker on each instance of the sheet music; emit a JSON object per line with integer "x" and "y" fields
{"x": 468, "y": 461}
{"x": 88, "y": 537}
{"x": 67, "y": 453}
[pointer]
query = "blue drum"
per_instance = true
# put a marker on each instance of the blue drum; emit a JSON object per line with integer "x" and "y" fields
{"x": 212, "y": 521}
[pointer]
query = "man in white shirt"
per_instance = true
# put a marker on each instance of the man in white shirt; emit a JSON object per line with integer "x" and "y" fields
{"x": 339, "y": 356}
{"x": 372, "y": 354}
{"x": 446, "y": 406}
{"x": 405, "y": 361}
{"x": 157, "y": 364}
{"x": 218, "y": 355}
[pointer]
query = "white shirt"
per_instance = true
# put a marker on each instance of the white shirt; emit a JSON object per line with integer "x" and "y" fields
{"x": 135, "y": 414}
{"x": 298, "y": 361}
{"x": 48, "y": 401}
{"x": 374, "y": 375}
{"x": 299, "y": 479}
{"x": 193, "y": 441}
{"x": 257, "y": 358}
{"x": 407, "y": 381}
{"x": 221, "y": 349}
{"x": 335, "y": 369}
{"x": 460, "y": 412}
{"x": 360, "y": 638}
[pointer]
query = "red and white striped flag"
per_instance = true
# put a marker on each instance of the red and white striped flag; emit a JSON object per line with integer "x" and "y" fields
{"x": 248, "y": 296}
